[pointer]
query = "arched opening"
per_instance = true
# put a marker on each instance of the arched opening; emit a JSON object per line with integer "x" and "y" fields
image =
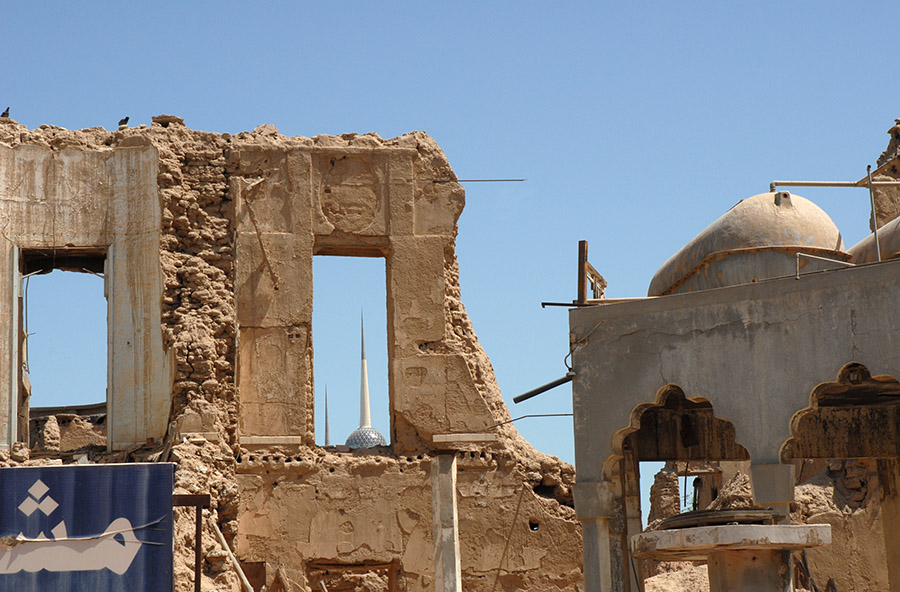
{"x": 856, "y": 416}
{"x": 845, "y": 447}
{"x": 695, "y": 445}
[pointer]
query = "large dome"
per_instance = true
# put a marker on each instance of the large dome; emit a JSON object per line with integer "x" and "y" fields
{"x": 365, "y": 437}
{"x": 756, "y": 239}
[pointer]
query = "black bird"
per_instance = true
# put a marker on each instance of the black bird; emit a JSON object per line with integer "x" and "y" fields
{"x": 5, "y": 113}
{"x": 123, "y": 121}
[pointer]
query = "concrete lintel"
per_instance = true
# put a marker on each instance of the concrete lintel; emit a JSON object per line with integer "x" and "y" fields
{"x": 271, "y": 440}
{"x": 696, "y": 544}
{"x": 452, "y": 442}
{"x": 465, "y": 437}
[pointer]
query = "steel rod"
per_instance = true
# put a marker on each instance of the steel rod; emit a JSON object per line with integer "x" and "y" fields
{"x": 198, "y": 546}
{"x": 234, "y": 560}
{"x": 808, "y": 256}
{"x": 775, "y": 184}
{"x": 478, "y": 180}
{"x": 542, "y": 389}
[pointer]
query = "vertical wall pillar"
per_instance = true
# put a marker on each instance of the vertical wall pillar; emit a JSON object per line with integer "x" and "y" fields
{"x": 889, "y": 474}
{"x": 631, "y": 493}
{"x": 9, "y": 342}
{"x": 447, "y": 572}
{"x": 597, "y": 560}
{"x": 595, "y": 503}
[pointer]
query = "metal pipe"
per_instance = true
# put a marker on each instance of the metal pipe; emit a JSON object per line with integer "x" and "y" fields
{"x": 874, "y": 220}
{"x": 775, "y": 184}
{"x": 234, "y": 561}
{"x": 582, "y": 272}
{"x": 808, "y": 256}
{"x": 542, "y": 389}
{"x": 478, "y": 180}
{"x": 597, "y": 302}
{"x": 198, "y": 546}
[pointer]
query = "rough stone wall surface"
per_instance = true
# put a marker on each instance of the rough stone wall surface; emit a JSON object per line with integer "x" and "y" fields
{"x": 358, "y": 520}
{"x": 664, "y": 496}
{"x": 887, "y": 199}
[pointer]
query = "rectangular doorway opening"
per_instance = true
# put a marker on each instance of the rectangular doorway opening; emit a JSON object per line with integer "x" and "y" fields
{"x": 344, "y": 290}
{"x": 63, "y": 351}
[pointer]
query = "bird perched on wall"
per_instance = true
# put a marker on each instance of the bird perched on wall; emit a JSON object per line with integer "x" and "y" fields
{"x": 5, "y": 113}
{"x": 123, "y": 121}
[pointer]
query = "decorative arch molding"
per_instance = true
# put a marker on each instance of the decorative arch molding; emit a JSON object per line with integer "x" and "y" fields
{"x": 855, "y": 416}
{"x": 676, "y": 427}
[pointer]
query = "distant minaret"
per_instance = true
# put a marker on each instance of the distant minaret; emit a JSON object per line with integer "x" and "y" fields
{"x": 365, "y": 436}
{"x": 365, "y": 417}
{"x": 327, "y": 429}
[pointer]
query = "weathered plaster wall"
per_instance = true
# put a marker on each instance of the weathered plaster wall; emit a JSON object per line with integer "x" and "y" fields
{"x": 95, "y": 199}
{"x": 238, "y": 215}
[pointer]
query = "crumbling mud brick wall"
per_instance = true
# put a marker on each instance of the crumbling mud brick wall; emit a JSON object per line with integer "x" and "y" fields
{"x": 239, "y": 219}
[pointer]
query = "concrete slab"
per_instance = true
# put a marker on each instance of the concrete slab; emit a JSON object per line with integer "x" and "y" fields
{"x": 698, "y": 543}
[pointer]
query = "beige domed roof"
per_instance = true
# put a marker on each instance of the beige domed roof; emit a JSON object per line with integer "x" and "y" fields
{"x": 762, "y": 221}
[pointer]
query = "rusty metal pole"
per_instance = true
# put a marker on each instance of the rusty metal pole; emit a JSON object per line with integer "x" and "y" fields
{"x": 198, "y": 547}
{"x": 582, "y": 271}
{"x": 199, "y": 501}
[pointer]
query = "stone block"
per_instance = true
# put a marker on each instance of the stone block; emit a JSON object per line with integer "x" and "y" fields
{"x": 274, "y": 379}
{"x": 416, "y": 284}
{"x": 437, "y": 208}
{"x": 401, "y": 195}
{"x": 436, "y": 394}
{"x": 350, "y": 193}
{"x": 274, "y": 278}
{"x": 277, "y": 200}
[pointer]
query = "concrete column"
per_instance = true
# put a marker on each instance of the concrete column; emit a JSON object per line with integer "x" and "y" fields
{"x": 631, "y": 490}
{"x": 773, "y": 487}
{"x": 889, "y": 474}
{"x": 597, "y": 564}
{"x": 595, "y": 504}
{"x": 447, "y": 576}
{"x": 755, "y": 570}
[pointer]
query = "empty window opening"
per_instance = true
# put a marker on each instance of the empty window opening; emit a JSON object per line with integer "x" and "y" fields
{"x": 344, "y": 289}
{"x": 63, "y": 350}
{"x": 676, "y": 487}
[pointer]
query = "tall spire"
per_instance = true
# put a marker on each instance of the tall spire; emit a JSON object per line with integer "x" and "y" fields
{"x": 365, "y": 417}
{"x": 327, "y": 429}
{"x": 365, "y": 436}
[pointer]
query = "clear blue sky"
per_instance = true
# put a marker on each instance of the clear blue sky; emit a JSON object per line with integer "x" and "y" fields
{"x": 636, "y": 125}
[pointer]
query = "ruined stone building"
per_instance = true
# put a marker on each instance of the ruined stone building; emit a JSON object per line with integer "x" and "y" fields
{"x": 764, "y": 347}
{"x": 206, "y": 243}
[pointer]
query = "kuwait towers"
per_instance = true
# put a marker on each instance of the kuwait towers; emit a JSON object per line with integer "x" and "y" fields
{"x": 365, "y": 436}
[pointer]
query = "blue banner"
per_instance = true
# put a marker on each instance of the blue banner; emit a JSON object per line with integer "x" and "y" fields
{"x": 86, "y": 527}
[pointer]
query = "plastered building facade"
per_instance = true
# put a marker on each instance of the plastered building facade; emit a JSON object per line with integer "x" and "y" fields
{"x": 206, "y": 243}
{"x": 763, "y": 344}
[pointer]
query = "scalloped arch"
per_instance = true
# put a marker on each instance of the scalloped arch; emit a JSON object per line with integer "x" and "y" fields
{"x": 672, "y": 398}
{"x": 855, "y": 416}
